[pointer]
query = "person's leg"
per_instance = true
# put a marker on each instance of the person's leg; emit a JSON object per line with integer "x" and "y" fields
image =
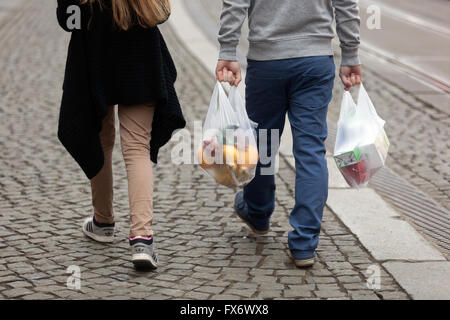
{"x": 135, "y": 133}
{"x": 266, "y": 104}
{"x": 102, "y": 183}
{"x": 309, "y": 95}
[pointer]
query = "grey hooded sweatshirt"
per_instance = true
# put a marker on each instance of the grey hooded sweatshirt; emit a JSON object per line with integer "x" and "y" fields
{"x": 281, "y": 29}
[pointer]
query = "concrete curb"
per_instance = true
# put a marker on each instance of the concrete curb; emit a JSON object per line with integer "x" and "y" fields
{"x": 422, "y": 280}
{"x": 374, "y": 222}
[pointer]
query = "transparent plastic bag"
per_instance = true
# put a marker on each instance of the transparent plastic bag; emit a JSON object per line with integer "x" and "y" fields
{"x": 361, "y": 143}
{"x": 228, "y": 150}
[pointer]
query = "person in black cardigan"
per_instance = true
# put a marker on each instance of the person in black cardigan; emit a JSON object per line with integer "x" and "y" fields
{"x": 131, "y": 68}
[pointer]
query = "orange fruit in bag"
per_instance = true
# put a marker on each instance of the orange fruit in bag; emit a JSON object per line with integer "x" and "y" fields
{"x": 247, "y": 159}
{"x": 205, "y": 160}
{"x": 222, "y": 175}
{"x": 230, "y": 155}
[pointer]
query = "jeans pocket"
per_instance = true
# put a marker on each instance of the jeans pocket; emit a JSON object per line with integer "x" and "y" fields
{"x": 320, "y": 67}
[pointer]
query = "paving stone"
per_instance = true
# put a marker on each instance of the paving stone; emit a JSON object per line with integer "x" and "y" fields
{"x": 291, "y": 280}
{"x": 236, "y": 277}
{"x": 348, "y": 279}
{"x": 264, "y": 279}
{"x": 329, "y": 293}
{"x": 299, "y": 291}
{"x": 226, "y": 297}
{"x": 270, "y": 285}
{"x": 244, "y": 293}
{"x": 270, "y": 294}
{"x": 208, "y": 276}
{"x": 363, "y": 295}
{"x": 9, "y": 278}
{"x": 210, "y": 289}
{"x": 394, "y": 295}
{"x": 338, "y": 265}
{"x": 171, "y": 292}
{"x": 320, "y": 280}
{"x": 321, "y": 272}
{"x": 291, "y": 272}
{"x": 16, "y": 293}
{"x": 196, "y": 295}
{"x": 19, "y": 284}
{"x": 353, "y": 286}
{"x": 328, "y": 286}
{"x": 38, "y": 296}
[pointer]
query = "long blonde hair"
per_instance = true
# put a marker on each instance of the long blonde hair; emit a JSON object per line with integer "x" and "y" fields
{"x": 147, "y": 13}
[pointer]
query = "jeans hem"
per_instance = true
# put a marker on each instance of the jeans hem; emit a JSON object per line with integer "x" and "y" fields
{"x": 302, "y": 255}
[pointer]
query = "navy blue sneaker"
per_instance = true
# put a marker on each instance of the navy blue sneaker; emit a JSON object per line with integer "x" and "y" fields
{"x": 258, "y": 226}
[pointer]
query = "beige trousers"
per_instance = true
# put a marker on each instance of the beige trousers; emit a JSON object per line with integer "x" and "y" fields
{"x": 135, "y": 133}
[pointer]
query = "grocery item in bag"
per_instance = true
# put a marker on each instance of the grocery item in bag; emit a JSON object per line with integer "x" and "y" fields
{"x": 228, "y": 150}
{"x": 361, "y": 144}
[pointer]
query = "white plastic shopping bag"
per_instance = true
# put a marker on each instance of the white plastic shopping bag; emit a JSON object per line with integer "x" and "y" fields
{"x": 361, "y": 143}
{"x": 228, "y": 150}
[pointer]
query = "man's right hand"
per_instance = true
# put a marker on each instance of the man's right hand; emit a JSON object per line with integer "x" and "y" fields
{"x": 229, "y": 71}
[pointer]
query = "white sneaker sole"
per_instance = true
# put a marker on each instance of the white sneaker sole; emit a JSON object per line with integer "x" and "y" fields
{"x": 302, "y": 263}
{"x": 143, "y": 261}
{"x": 93, "y": 236}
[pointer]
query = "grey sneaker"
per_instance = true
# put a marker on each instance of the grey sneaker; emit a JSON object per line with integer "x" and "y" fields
{"x": 98, "y": 231}
{"x": 143, "y": 253}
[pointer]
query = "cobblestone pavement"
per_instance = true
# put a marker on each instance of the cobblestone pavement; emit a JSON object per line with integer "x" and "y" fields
{"x": 205, "y": 252}
{"x": 419, "y": 133}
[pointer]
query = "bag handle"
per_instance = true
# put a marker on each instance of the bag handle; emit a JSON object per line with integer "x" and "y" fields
{"x": 348, "y": 106}
{"x": 235, "y": 99}
{"x": 223, "y": 105}
{"x": 366, "y": 104}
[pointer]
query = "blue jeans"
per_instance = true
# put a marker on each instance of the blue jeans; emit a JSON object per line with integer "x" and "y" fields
{"x": 302, "y": 87}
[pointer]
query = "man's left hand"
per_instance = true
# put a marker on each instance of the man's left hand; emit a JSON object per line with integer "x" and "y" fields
{"x": 350, "y": 76}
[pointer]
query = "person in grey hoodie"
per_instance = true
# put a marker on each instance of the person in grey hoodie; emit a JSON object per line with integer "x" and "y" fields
{"x": 290, "y": 70}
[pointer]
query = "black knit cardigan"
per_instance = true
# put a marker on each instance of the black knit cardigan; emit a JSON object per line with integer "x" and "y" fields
{"x": 84, "y": 100}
